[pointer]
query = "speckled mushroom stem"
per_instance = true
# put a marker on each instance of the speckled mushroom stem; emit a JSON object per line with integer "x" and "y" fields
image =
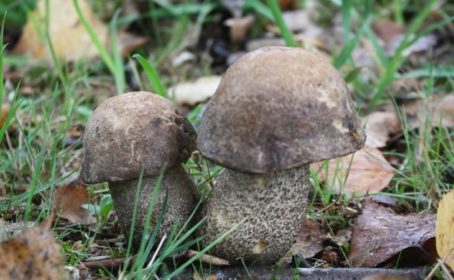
{"x": 274, "y": 207}
{"x": 175, "y": 184}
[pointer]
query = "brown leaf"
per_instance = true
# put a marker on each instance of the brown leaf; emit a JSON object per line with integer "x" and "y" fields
{"x": 387, "y": 30}
{"x": 367, "y": 171}
{"x": 438, "y": 110}
{"x": 444, "y": 112}
{"x": 445, "y": 229}
{"x": 69, "y": 37}
{"x": 4, "y": 113}
{"x": 379, "y": 234}
{"x": 309, "y": 242}
{"x": 68, "y": 200}
{"x": 33, "y": 254}
{"x": 379, "y": 127}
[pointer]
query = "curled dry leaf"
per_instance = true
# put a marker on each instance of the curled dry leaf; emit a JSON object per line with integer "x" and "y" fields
{"x": 68, "y": 201}
{"x": 365, "y": 171}
{"x": 445, "y": 229}
{"x": 4, "y": 113}
{"x": 379, "y": 234}
{"x": 191, "y": 93}
{"x": 380, "y": 126}
{"x": 69, "y": 37}
{"x": 33, "y": 254}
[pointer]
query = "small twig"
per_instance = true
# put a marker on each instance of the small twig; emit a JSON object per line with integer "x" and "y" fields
{"x": 432, "y": 272}
{"x": 111, "y": 263}
{"x": 446, "y": 272}
{"x": 208, "y": 259}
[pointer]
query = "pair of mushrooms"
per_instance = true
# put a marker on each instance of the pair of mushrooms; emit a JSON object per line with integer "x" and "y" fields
{"x": 276, "y": 110}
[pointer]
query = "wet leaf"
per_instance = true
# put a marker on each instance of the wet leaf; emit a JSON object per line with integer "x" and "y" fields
{"x": 380, "y": 126}
{"x": 68, "y": 201}
{"x": 365, "y": 171}
{"x": 33, "y": 254}
{"x": 191, "y": 93}
{"x": 379, "y": 234}
{"x": 69, "y": 38}
{"x": 445, "y": 229}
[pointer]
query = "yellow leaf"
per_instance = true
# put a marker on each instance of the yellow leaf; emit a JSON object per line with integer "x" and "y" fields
{"x": 445, "y": 229}
{"x": 69, "y": 38}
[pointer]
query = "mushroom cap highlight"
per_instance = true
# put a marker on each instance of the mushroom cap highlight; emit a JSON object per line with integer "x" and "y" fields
{"x": 132, "y": 132}
{"x": 278, "y": 108}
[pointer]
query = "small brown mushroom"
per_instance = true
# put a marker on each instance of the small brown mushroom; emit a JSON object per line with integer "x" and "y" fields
{"x": 141, "y": 133}
{"x": 276, "y": 110}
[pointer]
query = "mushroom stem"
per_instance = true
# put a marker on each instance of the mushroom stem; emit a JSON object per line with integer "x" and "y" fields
{"x": 175, "y": 184}
{"x": 274, "y": 205}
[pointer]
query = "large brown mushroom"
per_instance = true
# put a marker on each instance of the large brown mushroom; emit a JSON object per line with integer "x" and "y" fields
{"x": 276, "y": 110}
{"x": 134, "y": 134}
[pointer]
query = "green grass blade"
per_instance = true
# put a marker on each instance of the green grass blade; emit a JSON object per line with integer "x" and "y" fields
{"x": 435, "y": 72}
{"x": 258, "y": 7}
{"x": 95, "y": 39}
{"x": 279, "y": 20}
{"x": 200, "y": 253}
{"x": 346, "y": 20}
{"x": 347, "y": 50}
{"x": 152, "y": 75}
{"x": 116, "y": 53}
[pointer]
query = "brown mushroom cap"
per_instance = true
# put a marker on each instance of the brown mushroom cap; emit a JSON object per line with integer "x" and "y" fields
{"x": 278, "y": 108}
{"x": 132, "y": 131}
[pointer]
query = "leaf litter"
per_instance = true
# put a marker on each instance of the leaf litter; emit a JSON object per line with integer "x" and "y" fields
{"x": 32, "y": 254}
{"x": 379, "y": 234}
{"x": 68, "y": 35}
{"x": 363, "y": 172}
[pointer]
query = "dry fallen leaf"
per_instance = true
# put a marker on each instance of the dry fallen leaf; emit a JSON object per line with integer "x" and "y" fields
{"x": 445, "y": 229}
{"x": 444, "y": 112}
{"x": 380, "y": 126}
{"x": 309, "y": 242}
{"x": 191, "y": 93}
{"x": 69, "y": 37}
{"x": 4, "y": 113}
{"x": 387, "y": 30}
{"x": 33, "y": 254}
{"x": 68, "y": 201}
{"x": 379, "y": 234}
{"x": 367, "y": 171}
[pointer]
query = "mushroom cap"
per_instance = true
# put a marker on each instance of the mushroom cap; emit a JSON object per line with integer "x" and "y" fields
{"x": 131, "y": 132}
{"x": 278, "y": 108}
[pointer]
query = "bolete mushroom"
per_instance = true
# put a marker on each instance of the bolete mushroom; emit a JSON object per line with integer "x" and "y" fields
{"x": 276, "y": 110}
{"x": 141, "y": 133}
